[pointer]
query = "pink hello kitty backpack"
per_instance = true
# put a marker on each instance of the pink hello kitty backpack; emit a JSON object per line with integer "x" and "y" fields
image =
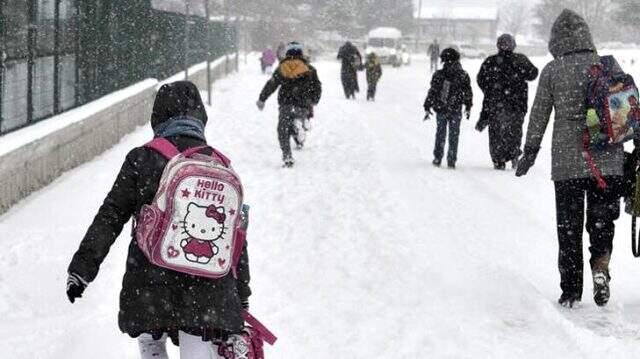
{"x": 193, "y": 224}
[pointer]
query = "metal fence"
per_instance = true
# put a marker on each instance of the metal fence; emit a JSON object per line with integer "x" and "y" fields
{"x": 59, "y": 54}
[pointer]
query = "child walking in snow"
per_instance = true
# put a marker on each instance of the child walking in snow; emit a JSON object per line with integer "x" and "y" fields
{"x": 374, "y": 73}
{"x": 300, "y": 91}
{"x": 450, "y": 90}
{"x": 158, "y": 303}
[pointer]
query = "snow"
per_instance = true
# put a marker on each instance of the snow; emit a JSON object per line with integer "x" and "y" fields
{"x": 19, "y": 138}
{"x": 363, "y": 250}
{"x": 460, "y": 13}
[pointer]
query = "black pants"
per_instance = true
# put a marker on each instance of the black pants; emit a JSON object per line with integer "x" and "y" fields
{"x": 287, "y": 127}
{"x": 350, "y": 83}
{"x": 371, "y": 90}
{"x": 452, "y": 122}
{"x": 505, "y": 136}
{"x": 603, "y": 208}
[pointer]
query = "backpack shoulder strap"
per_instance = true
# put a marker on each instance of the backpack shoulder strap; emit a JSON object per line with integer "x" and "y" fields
{"x": 214, "y": 153}
{"x": 164, "y": 147}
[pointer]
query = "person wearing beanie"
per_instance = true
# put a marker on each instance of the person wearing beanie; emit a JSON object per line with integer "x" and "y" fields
{"x": 190, "y": 309}
{"x": 503, "y": 80}
{"x": 300, "y": 91}
{"x": 563, "y": 89}
{"x": 450, "y": 90}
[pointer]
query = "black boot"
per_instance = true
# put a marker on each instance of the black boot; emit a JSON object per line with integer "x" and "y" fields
{"x": 500, "y": 166}
{"x": 451, "y": 165}
{"x": 601, "y": 292}
{"x": 569, "y": 300}
{"x": 437, "y": 162}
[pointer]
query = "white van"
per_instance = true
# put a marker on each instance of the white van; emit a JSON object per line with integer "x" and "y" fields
{"x": 386, "y": 43}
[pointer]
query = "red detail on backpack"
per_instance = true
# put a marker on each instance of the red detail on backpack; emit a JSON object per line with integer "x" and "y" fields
{"x": 248, "y": 344}
{"x": 172, "y": 252}
{"x": 196, "y": 222}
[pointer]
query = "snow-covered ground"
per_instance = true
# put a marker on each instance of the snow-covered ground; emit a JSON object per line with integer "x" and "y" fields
{"x": 364, "y": 250}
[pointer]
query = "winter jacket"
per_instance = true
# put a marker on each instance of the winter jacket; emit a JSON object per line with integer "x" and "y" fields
{"x": 153, "y": 299}
{"x": 563, "y": 88}
{"x": 503, "y": 80}
{"x": 374, "y": 70}
{"x": 351, "y": 59}
{"x": 298, "y": 82}
{"x": 460, "y": 92}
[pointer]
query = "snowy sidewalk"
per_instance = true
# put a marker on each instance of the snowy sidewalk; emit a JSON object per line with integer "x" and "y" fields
{"x": 362, "y": 250}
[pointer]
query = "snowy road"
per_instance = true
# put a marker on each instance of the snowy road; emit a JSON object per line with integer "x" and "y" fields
{"x": 364, "y": 250}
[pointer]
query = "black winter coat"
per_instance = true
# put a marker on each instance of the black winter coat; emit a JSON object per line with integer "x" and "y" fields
{"x": 459, "y": 93}
{"x": 156, "y": 300}
{"x": 503, "y": 80}
{"x": 298, "y": 81}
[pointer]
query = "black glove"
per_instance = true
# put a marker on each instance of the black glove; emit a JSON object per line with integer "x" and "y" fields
{"x": 427, "y": 115}
{"x": 527, "y": 160}
{"x": 75, "y": 286}
{"x": 245, "y": 303}
{"x": 467, "y": 113}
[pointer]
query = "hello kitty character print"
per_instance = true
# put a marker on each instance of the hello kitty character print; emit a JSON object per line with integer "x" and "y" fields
{"x": 193, "y": 224}
{"x": 203, "y": 226}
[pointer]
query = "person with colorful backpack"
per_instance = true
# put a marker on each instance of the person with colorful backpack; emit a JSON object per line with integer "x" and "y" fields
{"x": 450, "y": 90}
{"x": 187, "y": 273}
{"x": 300, "y": 90}
{"x": 374, "y": 73}
{"x": 580, "y": 169}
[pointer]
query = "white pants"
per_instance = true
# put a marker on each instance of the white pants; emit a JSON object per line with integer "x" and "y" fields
{"x": 191, "y": 347}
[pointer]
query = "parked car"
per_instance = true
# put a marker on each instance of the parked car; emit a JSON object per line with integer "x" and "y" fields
{"x": 470, "y": 51}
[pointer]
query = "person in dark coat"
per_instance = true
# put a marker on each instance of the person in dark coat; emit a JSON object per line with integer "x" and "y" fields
{"x": 156, "y": 302}
{"x": 450, "y": 90}
{"x": 374, "y": 73}
{"x": 503, "y": 80}
{"x": 351, "y": 64}
{"x": 300, "y": 91}
{"x": 563, "y": 89}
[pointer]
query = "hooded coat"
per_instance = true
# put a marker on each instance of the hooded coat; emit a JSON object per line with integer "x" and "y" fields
{"x": 298, "y": 82}
{"x": 503, "y": 80}
{"x": 155, "y": 300}
{"x": 563, "y": 88}
{"x": 351, "y": 63}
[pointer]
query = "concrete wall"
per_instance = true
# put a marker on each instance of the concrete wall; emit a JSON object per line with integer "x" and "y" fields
{"x": 36, "y": 163}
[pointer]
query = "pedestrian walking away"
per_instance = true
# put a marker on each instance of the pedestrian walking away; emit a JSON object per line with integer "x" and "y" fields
{"x": 503, "y": 80}
{"x": 374, "y": 73}
{"x": 351, "y": 64}
{"x": 434, "y": 53}
{"x": 450, "y": 90}
{"x": 157, "y": 303}
{"x": 300, "y": 90}
{"x": 563, "y": 89}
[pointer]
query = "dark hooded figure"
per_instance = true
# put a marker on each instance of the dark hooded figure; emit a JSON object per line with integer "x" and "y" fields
{"x": 155, "y": 301}
{"x": 300, "y": 90}
{"x": 503, "y": 80}
{"x": 351, "y": 64}
{"x": 563, "y": 89}
{"x": 450, "y": 90}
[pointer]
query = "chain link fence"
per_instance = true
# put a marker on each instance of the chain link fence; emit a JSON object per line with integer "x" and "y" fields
{"x": 60, "y": 54}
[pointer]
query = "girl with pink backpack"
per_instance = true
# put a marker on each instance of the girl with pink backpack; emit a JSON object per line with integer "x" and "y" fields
{"x": 187, "y": 274}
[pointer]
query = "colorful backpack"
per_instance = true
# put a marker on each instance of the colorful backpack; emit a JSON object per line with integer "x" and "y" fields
{"x": 193, "y": 224}
{"x": 248, "y": 344}
{"x": 613, "y": 110}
